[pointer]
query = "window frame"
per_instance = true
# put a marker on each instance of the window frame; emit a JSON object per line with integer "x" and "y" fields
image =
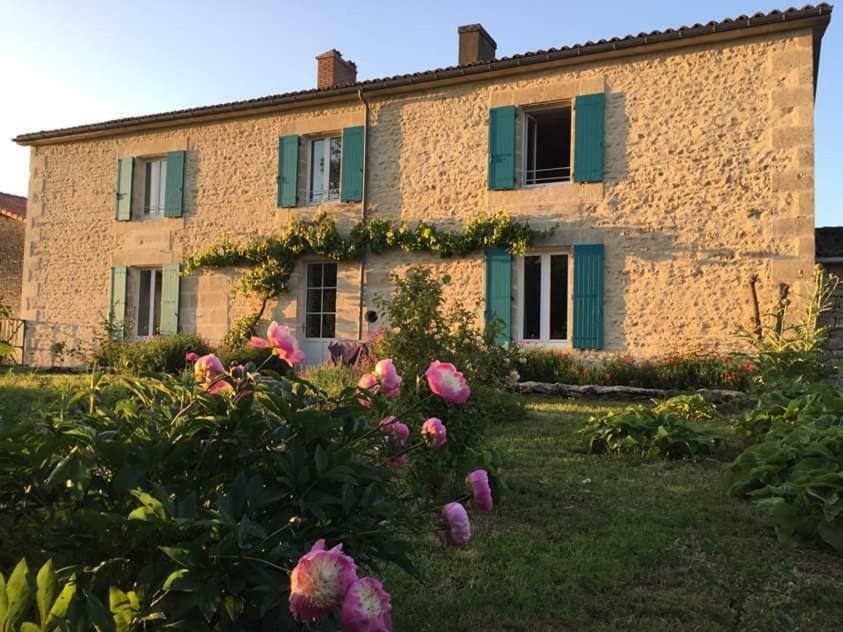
{"x": 328, "y": 196}
{"x": 525, "y": 116}
{"x": 306, "y": 288}
{"x": 146, "y": 207}
{"x": 155, "y": 273}
{"x": 544, "y": 339}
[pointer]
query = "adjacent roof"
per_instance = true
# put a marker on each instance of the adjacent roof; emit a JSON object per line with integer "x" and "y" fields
{"x": 467, "y": 70}
{"x": 829, "y": 242}
{"x": 13, "y": 206}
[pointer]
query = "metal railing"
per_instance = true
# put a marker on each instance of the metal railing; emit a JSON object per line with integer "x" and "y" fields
{"x": 543, "y": 176}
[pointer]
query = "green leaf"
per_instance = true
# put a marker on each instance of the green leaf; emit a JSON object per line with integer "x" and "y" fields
{"x": 4, "y": 603}
{"x": 98, "y": 614}
{"x": 19, "y": 591}
{"x": 180, "y": 580}
{"x": 122, "y": 609}
{"x": 28, "y": 626}
{"x": 45, "y": 593}
{"x": 60, "y": 605}
{"x": 322, "y": 459}
{"x": 180, "y": 556}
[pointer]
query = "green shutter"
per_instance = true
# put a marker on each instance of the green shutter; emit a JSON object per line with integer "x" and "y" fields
{"x": 352, "y": 164}
{"x": 174, "y": 186}
{"x": 170, "y": 299}
{"x": 125, "y": 170}
{"x": 589, "y": 111}
{"x": 499, "y": 290}
{"x": 588, "y": 296}
{"x": 288, "y": 170}
{"x": 117, "y": 301}
{"x": 502, "y": 147}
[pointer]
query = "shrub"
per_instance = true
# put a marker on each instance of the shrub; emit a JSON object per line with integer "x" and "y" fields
{"x": 158, "y": 354}
{"x": 690, "y": 407}
{"x": 797, "y": 474}
{"x": 198, "y": 504}
{"x": 673, "y": 372}
{"x": 647, "y": 432}
{"x": 231, "y": 356}
{"x": 333, "y": 379}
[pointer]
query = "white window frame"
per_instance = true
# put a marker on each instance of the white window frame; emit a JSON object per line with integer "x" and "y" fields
{"x": 154, "y": 198}
{"x": 152, "y": 287}
{"x": 518, "y": 293}
{"x": 525, "y": 123}
{"x": 306, "y": 287}
{"x": 327, "y": 195}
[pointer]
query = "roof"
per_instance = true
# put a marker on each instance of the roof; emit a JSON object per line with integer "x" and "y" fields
{"x": 13, "y": 206}
{"x": 829, "y": 242}
{"x": 465, "y": 71}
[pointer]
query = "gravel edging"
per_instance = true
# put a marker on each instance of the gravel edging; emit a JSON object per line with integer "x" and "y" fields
{"x": 595, "y": 391}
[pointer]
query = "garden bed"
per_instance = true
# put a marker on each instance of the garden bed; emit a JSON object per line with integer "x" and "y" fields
{"x": 598, "y": 391}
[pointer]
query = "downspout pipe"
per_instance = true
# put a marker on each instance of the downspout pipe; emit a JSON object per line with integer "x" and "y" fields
{"x": 363, "y": 211}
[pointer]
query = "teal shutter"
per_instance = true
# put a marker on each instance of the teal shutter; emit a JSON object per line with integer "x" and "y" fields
{"x": 125, "y": 171}
{"x": 288, "y": 171}
{"x": 499, "y": 290}
{"x": 502, "y": 147}
{"x": 352, "y": 164}
{"x": 117, "y": 301}
{"x": 589, "y": 111}
{"x": 170, "y": 299}
{"x": 588, "y": 296}
{"x": 174, "y": 187}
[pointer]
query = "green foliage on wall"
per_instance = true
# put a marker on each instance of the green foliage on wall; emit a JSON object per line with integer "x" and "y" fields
{"x": 270, "y": 261}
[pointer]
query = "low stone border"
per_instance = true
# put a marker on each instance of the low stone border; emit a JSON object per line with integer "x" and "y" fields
{"x": 595, "y": 391}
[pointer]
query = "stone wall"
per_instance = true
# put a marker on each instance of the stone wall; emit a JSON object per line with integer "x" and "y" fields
{"x": 11, "y": 262}
{"x": 833, "y": 319}
{"x": 708, "y": 181}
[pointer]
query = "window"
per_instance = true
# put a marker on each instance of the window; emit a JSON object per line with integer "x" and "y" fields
{"x": 155, "y": 183}
{"x": 547, "y": 145}
{"x": 148, "y": 319}
{"x": 544, "y": 297}
{"x": 321, "y": 300}
{"x": 325, "y": 157}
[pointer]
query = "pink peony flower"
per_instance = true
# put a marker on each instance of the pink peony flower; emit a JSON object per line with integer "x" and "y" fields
{"x": 282, "y": 342}
{"x": 191, "y": 357}
{"x": 368, "y": 383}
{"x": 208, "y": 371}
{"x": 367, "y": 607}
{"x": 459, "y": 527}
{"x": 319, "y": 581}
{"x": 388, "y": 377}
{"x": 397, "y": 436}
{"x": 478, "y": 481}
{"x": 446, "y": 382}
{"x": 434, "y": 432}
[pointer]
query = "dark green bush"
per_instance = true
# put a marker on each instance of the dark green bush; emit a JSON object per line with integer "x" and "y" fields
{"x": 796, "y": 473}
{"x": 158, "y": 354}
{"x": 649, "y": 432}
{"x": 333, "y": 379}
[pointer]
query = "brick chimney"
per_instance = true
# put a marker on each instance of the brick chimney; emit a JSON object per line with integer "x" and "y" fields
{"x": 332, "y": 70}
{"x": 475, "y": 44}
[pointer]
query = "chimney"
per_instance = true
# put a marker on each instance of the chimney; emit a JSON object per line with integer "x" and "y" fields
{"x": 332, "y": 70}
{"x": 475, "y": 44}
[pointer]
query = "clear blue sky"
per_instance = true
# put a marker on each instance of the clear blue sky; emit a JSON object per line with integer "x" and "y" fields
{"x": 65, "y": 63}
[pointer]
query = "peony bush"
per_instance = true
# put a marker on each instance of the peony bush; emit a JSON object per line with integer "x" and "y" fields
{"x": 230, "y": 497}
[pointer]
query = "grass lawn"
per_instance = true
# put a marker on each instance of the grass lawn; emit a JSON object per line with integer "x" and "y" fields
{"x": 594, "y": 543}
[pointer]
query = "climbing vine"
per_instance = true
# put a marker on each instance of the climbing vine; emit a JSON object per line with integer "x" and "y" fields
{"x": 270, "y": 261}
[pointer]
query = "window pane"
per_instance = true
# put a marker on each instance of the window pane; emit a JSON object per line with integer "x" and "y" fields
{"x": 314, "y": 275}
{"x": 329, "y": 301}
{"x": 330, "y": 274}
{"x": 314, "y": 301}
{"x": 317, "y": 169}
{"x": 162, "y": 184}
{"x": 144, "y": 290}
{"x": 531, "y": 149}
{"x": 156, "y": 305}
{"x": 328, "y": 323}
{"x": 558, "y": 297}
{"x": 311, "y": 326}
{"x": 336, "y": 156}
{"x": 532, "y": 298}
{"x": 548, "y": 153}
{"x": 147, "y": 190}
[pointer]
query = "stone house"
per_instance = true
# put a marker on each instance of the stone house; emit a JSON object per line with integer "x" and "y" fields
{"x": 675, "y": 166}
{"x": 12, "y": 228}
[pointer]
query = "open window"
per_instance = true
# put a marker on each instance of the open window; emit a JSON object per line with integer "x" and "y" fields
{"x": 148, "y": 311}
{"x": 547, "y": 145}
{"x": 544, "y": 297}
{"x": 325, "y": 169}
{"x": 155, "y": 187}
